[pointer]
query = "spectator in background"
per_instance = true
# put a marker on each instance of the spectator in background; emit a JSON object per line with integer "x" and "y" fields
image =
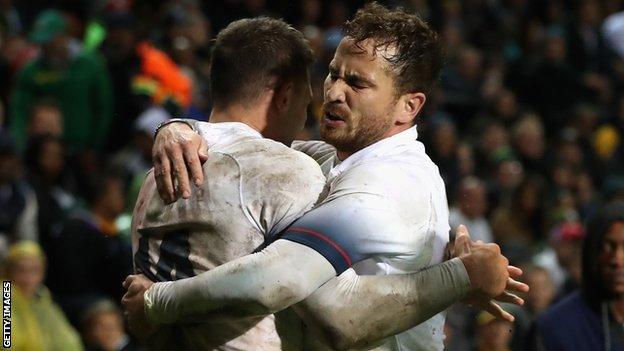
{"x": 594, "y": 314}
{"x": 88, "y": 260}
{"x": 529, "y": 143}
{"x": 542, "y": 292}
{"x": 462, "y": 84}
{"x": 443, "y": 150}
{"x": 136, "y": 159}
{"x": 77, "y": 81}
{"x": 493, "y": 140}
{"x": 471, "y": 205}
{"x": 103, "y": 328}
{"x": 567, "y": 239}
{"x": 44, "y": 159}
{"x": 45, "y": 118}
{"x": 555, "y": 84}
{"x": 119, "y": 49}
{"x": 18, "y": 203}
{"x": 518, "y": 225}
{"x": 38, "y": 324}
{"x": 493, "y": 334}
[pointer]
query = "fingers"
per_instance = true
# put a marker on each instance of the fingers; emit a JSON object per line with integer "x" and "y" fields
{"x": 462, "y": 241}
{"x": 514, "y": 285}
{"x": 192, "y": 159}
{"x": 179, "y": 171}
{"x": 203, "y": 152}
{"x": 162, "y": 175}
{"x": 129, "y": 280}
{"x": 514, "y": 272}
{"x": 495, "y": 310}
{"x": 462, "y": 230}
{"x": 126, "y": 282}
{"x": 510, "y": 298}
{"x": 135, "y": 288}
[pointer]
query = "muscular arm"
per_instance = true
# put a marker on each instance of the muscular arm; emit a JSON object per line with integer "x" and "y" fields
{"x": 286, "y": 272}
{"x": 281, "y": 275}
{"x": 354, "y": 311}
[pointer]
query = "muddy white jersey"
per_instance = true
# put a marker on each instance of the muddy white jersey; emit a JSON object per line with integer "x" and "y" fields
{"x": 383, "y": 211}
{"x": 254, "y": 188}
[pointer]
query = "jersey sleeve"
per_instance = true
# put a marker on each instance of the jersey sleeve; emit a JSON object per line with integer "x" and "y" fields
{"x": 359, "y": 219}
{"x": 319, "y": 151}
{"x": 277, "y": 193}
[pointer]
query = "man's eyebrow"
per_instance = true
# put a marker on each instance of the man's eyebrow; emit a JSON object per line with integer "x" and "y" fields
{"x": 357, "y": 78}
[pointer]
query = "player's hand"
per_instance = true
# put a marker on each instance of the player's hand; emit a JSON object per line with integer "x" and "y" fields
{"x": 178, "y": 154}
{"x": 491, "y": 276}
{"x": 133, "y": 305}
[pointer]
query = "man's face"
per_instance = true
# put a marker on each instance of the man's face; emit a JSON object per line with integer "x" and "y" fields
{"x": 473, "y": 201}
{"x": 28, "y": 273}
{"x": 114, "y": 197}
{"x": 106, "y": 331}
{"x": 55, "y": 51}
{"x": 293, "y": 119}
{"x": 360, "y": 104}
{"x": 611, "y": 259}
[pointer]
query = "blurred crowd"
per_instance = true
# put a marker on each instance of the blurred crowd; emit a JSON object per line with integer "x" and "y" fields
{"x": 526, "y": 126}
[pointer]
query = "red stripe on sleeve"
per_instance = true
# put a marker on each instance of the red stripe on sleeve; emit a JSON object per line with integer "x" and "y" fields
{"x": 338, "y": 248}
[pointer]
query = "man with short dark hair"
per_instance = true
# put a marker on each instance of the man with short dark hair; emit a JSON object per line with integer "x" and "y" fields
{"x": 366, "y": 216}
{"x": 258, "y": 186}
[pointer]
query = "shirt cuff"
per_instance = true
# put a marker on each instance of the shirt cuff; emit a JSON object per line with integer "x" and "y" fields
{"x": 155, "y": 305}
{"x": 332, "y": 251}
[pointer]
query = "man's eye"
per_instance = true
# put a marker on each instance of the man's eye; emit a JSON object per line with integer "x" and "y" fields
{"x": 357, "y": 85}
{"x": 608, "y": 247}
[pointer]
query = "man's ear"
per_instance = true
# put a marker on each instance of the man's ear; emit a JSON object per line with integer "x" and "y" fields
{"x": 283, "y": 95}
{"x": 410, "y": 105}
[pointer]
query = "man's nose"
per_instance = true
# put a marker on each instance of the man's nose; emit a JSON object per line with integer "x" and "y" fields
{"x": 334, "y": 91}
{"x": 617, "y": 259}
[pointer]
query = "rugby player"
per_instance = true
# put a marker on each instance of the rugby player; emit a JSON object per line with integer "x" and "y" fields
{"x": 383, "y": 206}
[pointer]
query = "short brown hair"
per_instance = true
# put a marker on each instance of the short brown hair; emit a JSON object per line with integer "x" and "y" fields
{"x": 418, "y": 59}
{"x": 251, "y": 55}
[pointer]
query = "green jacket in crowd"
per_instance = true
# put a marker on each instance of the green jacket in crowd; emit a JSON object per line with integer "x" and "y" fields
{"x": 82, "y": 90}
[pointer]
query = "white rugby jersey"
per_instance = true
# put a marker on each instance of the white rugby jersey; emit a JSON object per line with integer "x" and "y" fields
{"x": 253, "y": 189}
{"x": 385, "y": 212}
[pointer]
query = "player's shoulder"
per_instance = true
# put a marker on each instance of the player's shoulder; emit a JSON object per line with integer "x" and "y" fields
{"x": 312, "y": 147}
{"x": 271, "y": 154}
{"x": 268, "y": 160}
{"x": 382, "y": 173}
{"x": 394, "y": 181}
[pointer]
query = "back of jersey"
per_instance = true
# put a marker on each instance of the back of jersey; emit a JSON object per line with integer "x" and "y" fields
{"x": 253, "y": 189}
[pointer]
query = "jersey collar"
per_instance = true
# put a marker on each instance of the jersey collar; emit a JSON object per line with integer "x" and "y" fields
{"x": 380, "y": 148}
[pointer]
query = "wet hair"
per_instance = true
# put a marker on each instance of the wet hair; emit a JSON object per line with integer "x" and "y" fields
{"x": 252, "y": 55}
{"x": 593, "y": 287}
{"x": 418, "y": 59}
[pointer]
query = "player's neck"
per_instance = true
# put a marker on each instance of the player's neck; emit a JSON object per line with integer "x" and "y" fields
{"x": 254, "y": 117}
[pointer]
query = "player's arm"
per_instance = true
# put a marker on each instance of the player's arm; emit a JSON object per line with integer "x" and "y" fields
{"x": 355, "y": 311}
{"x": 178, "y": 153}
{"x": 180, "y": 148}
{"x": 282, "y": 274}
